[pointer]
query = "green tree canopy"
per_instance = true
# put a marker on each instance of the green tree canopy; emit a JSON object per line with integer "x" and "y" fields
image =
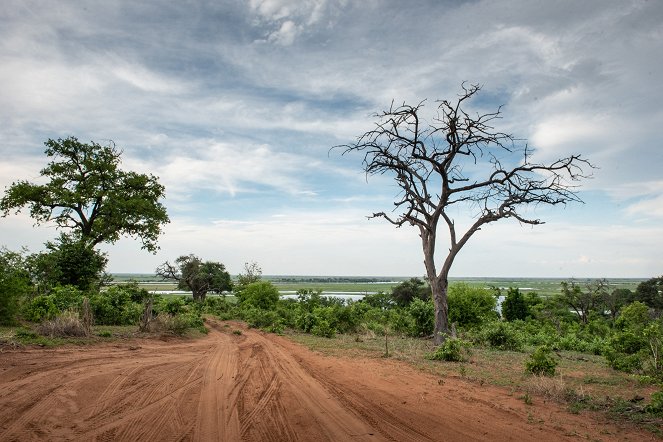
{"x": 407, "y": 291}
{"x": 650, "y": 292}
{"x": 89, "y": 194}
{"x": 191, "y": 273}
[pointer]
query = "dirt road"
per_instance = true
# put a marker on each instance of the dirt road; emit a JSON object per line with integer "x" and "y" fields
{"x": 258, "y": 387}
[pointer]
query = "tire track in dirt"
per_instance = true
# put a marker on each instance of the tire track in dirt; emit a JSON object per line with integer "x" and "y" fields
{"x": 255, "y": 387}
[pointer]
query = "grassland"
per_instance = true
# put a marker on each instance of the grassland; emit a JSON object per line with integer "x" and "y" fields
{"x": 360, "y": 285}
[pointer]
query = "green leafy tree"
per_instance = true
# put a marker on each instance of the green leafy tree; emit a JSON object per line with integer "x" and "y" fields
{"x": 650, "y": 293}
{"x": 470, "y": 306}
{"x": 87, "y": 193}
{"x": 407, "y": 291}
{"x": 191, "y": 273}
{"x": 454, "y": 162}
{"x": 14, "y": 284}
{"x": 583, "y": 302}
{"x": 69, "y": 261}
{"x": 514, "y": 306}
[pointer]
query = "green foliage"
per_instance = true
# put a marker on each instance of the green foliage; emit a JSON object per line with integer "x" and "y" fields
{"x": 423, "y": 317}
{"x": 70, "y": 261}
{"x": 451, "y": 350}
{"x": 502, "y": 336}
{"x": 541, "y": 362}
{"x": 173, "y": 305}
{"x": 88, "y": 193}
{"x": 379, "y": 300}
{"x": 40, "y": 308}
{"x": 191, "y": 273}
{"x": 470, "y": 306}
{"x": 656, "y": 403}
{"x": 114, "y": 307}
{"x": 67, "y": 297}
{"x": 262, "y": 294}
{"x": 14, "y": 285}
{"x": 407, "y": 291}
{"x": 514, "y": 306}
{"x": 252, "y": 273}
{"x": 650, "y": 293}
{"x": 584, "y": 300}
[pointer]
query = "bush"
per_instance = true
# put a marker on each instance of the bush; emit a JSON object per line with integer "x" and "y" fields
{"x": 423, "y": 317}
{"x": 541, "y": 362}
{"x": 470, "y": 306}
{"x": 40, "y": 308}
{"x": 656, "y": 403}
{"x": 502, "y": 336}
{"x": 261, "y": 294}
{"x": 114, "y": 307}
{"x": 173, "y": 305}
{"x": 407, "y": 291}
{"x": 14, "y": 285}
{"x": 514, "y": 306}
{"x": 66, "y": 297}
{"x": 451, "y": 350}
{"x": 323, "y": 329}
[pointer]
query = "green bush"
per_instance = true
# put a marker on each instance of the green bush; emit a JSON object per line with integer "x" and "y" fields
{"x": 451, "y": 350}
{"x": 40, "y": 308}
{"x": 114, "y": 307}
{"x": 173, "y": 305}
{"x": 14, "y": 285}
{"x": 66, "y": 297}
{"x": 470, "y": 306}
{"x": 541, "y": 362}
{"x": 324, "y": 329}
{"x": 656, "y": 403}
{"x": 514, "y": 306}
{"x": 261, "y": 294}
{"x": 423, "y": 317}
{"x": 502, "y": 336}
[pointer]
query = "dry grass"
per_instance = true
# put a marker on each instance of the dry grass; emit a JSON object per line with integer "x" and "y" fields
{"x": 66, "y": 324}
{"x": 553, "y": 388}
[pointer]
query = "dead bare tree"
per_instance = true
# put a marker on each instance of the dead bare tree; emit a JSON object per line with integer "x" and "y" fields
{"x": 459, "y": 159}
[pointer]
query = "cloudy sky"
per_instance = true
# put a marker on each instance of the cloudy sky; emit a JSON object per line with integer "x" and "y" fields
{"x": 235, "y": 105}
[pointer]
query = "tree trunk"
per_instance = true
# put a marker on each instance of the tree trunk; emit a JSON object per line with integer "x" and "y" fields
{"x": 439, "y": 287}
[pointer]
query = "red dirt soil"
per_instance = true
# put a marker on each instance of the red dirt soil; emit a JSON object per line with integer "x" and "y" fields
{"x": 260, "y": 387}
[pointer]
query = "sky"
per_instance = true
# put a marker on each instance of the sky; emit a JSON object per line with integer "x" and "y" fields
{"x": 235, "y": 106}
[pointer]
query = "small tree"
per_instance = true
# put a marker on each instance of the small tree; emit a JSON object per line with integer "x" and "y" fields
{"x": 407, "y": 291}
{"x": 458, "y": 160}
{"x": 191, "y": 273}
{"x": 252, "y": 273}
{"x": 14, "y": 284}
{"x": 650, "y": 293}
{"x": 87, "y": 193}
{"x": 584, "y": 301}
{"x": 69, "y": 261}
{"x": 514, "y": 306}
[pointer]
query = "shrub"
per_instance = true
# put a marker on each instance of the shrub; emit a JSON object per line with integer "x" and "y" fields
{"x": 451, "y": 350}
{"x": 173, "y": 305}
{"x": 514, "y": 306}
{"x": 66, "y": 297}
{"x": 423, "y": 317}
{"x": 407, "y": 291}
{"x": 470, "y": 306}
{"x": 14, "y": 285}
{"x": 324, "y": 329}
{"x": 261, "y": 294}
{"x": 40, "y": 308}
{"x": 114, "y": 307}
{"x": 65, "y": 324}
{"x": 656, "y": 403}
{"x": 502, "y": 336}
{"x": 541, "y": 362}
